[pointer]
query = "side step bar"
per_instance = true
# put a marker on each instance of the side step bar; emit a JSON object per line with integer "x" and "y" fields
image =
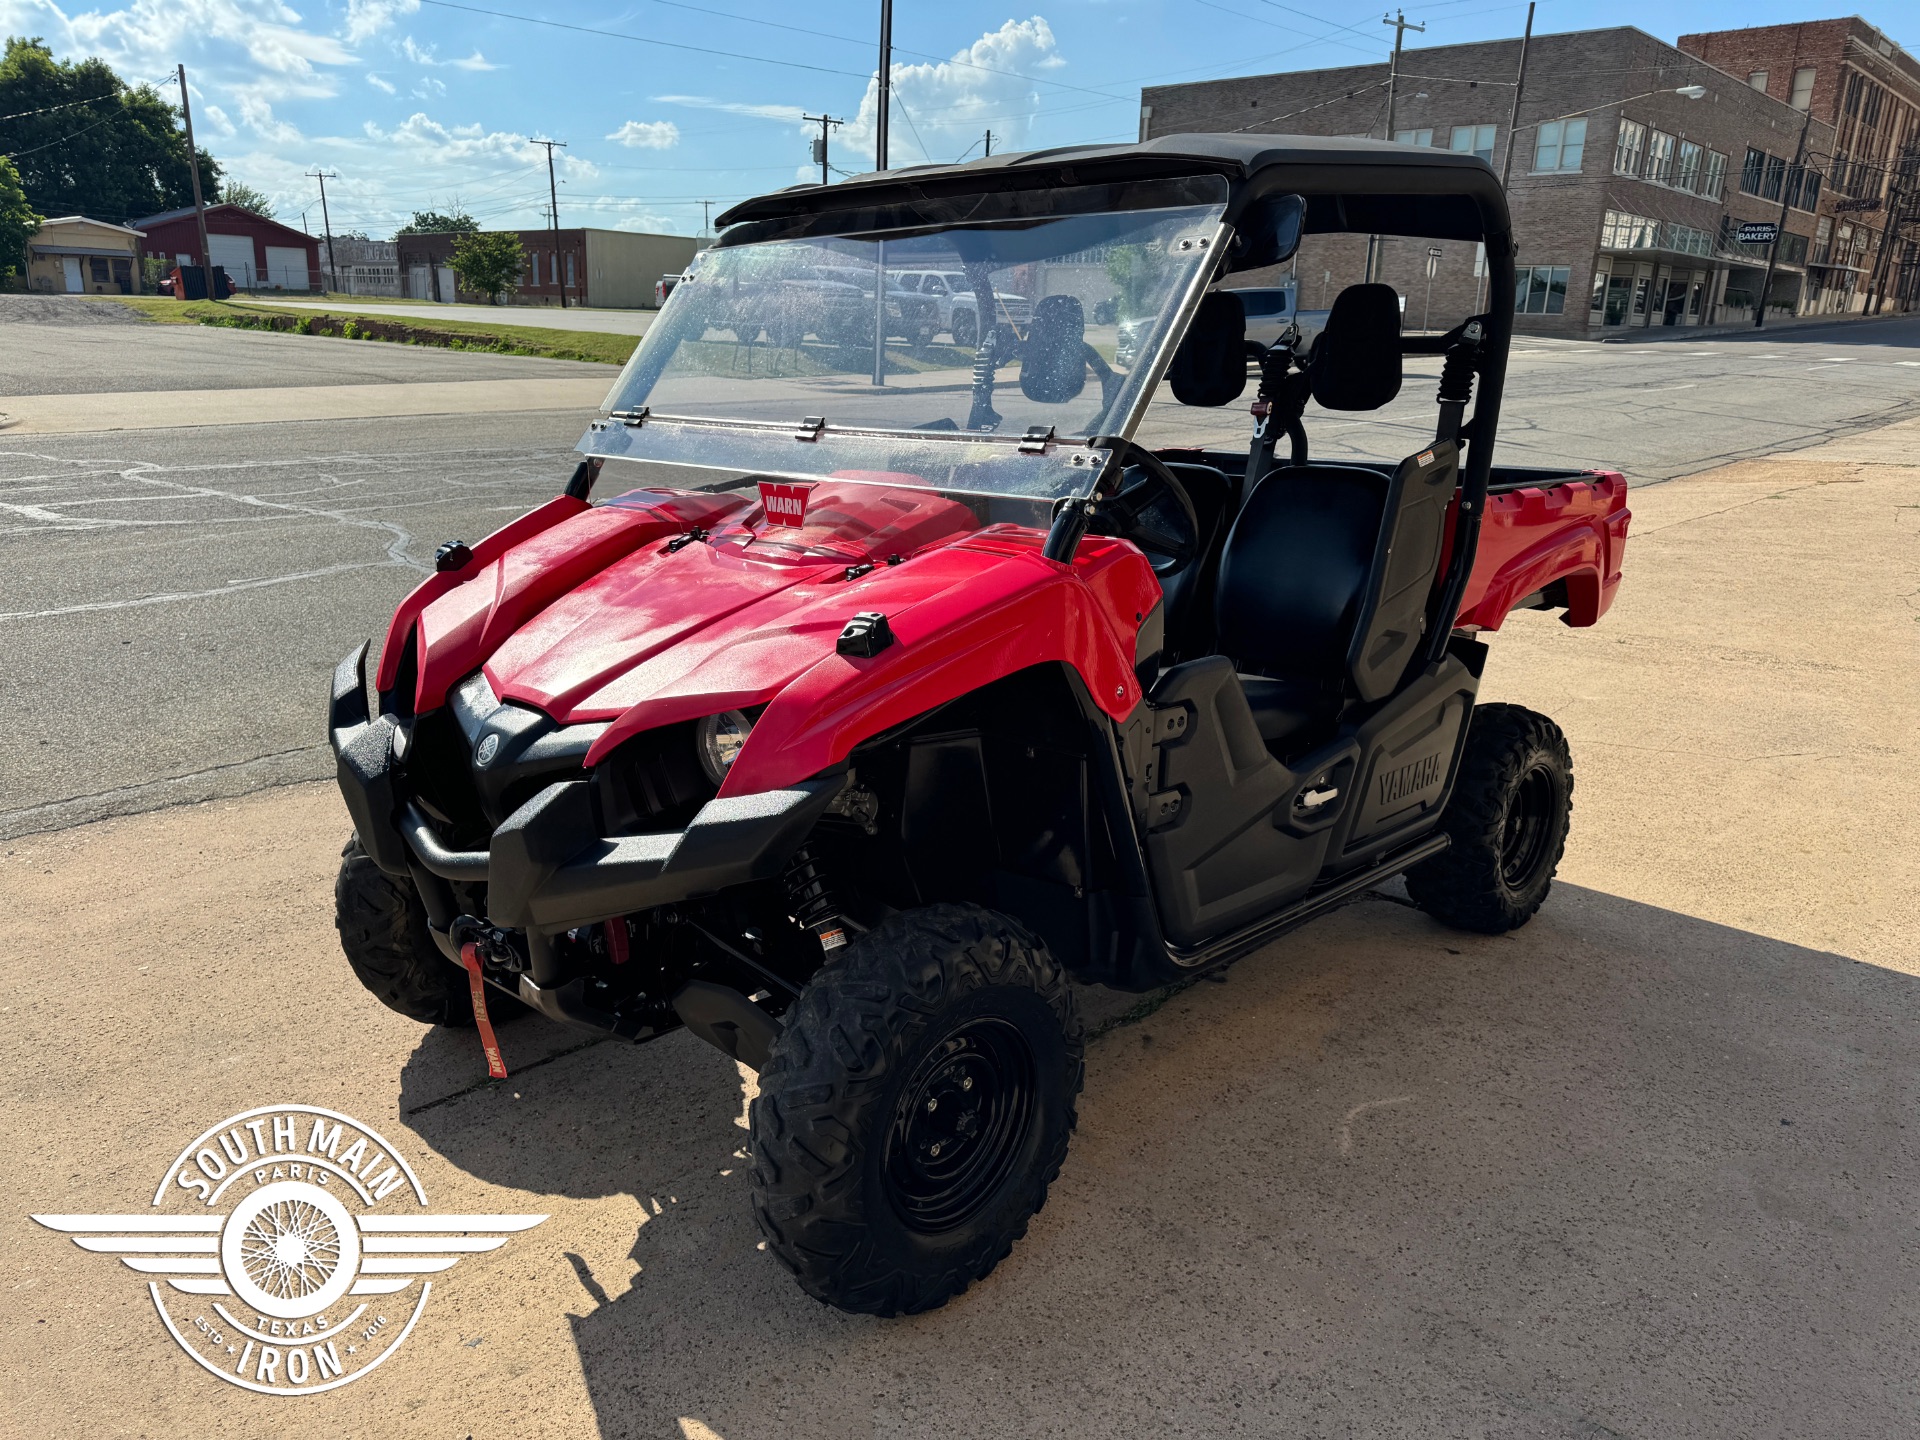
{"x": 1318, "y": 902}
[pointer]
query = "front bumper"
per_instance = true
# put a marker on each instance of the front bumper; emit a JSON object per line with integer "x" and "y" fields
{"x": 547, "y": 867}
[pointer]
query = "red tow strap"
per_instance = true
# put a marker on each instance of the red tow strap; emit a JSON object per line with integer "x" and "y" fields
{"x": 496, "y": 1065}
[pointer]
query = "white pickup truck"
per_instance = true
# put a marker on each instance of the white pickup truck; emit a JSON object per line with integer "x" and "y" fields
{"x": 957, "y": 314}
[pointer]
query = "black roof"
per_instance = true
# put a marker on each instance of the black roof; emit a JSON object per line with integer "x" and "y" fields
{"x": 1352, "y": 185}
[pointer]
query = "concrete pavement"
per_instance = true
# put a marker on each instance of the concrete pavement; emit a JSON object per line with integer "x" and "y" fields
{"x": 1645, "y": 1167}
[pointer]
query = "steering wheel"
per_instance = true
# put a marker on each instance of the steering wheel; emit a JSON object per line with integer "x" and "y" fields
{"x": 1152, "y": 509}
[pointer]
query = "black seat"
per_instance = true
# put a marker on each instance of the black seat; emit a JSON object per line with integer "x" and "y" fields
{"x": 1189, "y": 594}
{"x": 1293, "y": 580}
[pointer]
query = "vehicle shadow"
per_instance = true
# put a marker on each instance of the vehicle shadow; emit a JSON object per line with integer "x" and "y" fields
{"x": 1623, "y": 1172}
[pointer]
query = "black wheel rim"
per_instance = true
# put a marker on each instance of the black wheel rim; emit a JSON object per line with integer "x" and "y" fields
{"x": 1523, "y": 840}
{"x": 962, "y": 1120}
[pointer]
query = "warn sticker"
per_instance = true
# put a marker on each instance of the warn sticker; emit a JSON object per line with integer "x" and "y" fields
{"x": 785, "y": 504}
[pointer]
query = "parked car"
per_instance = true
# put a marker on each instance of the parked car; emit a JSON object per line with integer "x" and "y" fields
{"x": 1269, "y": 310}
{"x": 933, "y": 697}
{"x": 953, "y": 301}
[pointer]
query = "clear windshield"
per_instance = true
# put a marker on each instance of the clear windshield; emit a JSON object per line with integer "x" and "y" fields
{"x": 960, "y": 345}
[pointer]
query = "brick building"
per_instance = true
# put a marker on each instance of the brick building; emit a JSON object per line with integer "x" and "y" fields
{"x": 613, "y": 269}
{"x": 257, "y": 253}
{"x": 1853, "y": 78}
{"x": 1627, "y": 197}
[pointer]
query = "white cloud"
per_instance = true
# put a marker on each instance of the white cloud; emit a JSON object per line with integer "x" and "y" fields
{"x": 424, "y": 55}
{"x": 429, "y": 141}
{"x": 732, "y": 107}
{"x": 429, "y": 88}
{"x": 944, "y": 107}
{"x": 647, "y": 135}
{"x": 370, "y": 17}
{"x": 213, "y": 120}
{"x": 379, "y": 84}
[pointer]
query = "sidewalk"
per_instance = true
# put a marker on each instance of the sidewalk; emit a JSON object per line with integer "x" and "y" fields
{"x": 547, "y": 317}
{"x": 1636, "y": 335}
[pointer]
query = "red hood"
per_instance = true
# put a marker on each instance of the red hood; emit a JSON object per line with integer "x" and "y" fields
{"x": 629, "y": 614}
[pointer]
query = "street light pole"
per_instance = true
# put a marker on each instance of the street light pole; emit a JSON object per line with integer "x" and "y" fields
{"x": 886, "y": 84}
{"x": 199, "y": 202}
{"x": 1780, "y": 227}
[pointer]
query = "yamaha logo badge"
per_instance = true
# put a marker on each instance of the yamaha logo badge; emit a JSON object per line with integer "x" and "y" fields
{"x": 489, "y": 747}
{"x": 289, "y": 1248}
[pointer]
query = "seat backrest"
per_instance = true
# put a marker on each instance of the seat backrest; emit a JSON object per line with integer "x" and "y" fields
{"x": 1210, "y": 367}
{"x": 1355, "y": 364}
{"x": 1189, "y": 594}
{"x": 1295, "y": 568}
{"x": 1328, "y": 573}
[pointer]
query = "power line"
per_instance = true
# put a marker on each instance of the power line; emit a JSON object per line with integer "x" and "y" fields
{"x": 15, "y": 155}
{"x": 646, "y": 40}
{"x": 70, "y": 105}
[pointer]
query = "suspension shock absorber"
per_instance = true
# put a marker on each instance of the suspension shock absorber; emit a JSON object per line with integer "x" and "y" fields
{"x": 812, "y": 898}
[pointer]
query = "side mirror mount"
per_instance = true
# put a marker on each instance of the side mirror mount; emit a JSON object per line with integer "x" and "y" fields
{"x": 1270, "y": 230}
{"x": 1053, "y": 366}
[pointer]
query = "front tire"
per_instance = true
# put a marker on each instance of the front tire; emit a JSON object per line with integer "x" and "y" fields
{"x": 965, "y": 331}
{"x": 915, "y": 1109}
{"x": 383, "y": 930}
{"x": 1507, "y": 819}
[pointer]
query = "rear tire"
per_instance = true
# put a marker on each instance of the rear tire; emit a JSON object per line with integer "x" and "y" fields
{"x": 383, "y": 930}
{"x": 915, "y": 1109}
{"x": 965, "y": 332}
{"x": 1507, "y": 819}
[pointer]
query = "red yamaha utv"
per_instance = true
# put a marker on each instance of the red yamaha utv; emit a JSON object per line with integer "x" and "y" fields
{"x": 854, "y": 698}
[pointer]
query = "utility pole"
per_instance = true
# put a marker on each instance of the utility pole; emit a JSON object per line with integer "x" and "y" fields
{"x": 1513, "y": 115}
{"x": 886, "y": 89}
{"x": 326, "y": 225}
{"x": 553, "y": 217}
{"x": 823, "y": 120}
{"x": 706, "y": 217}
{"x": 1400, "y": 25}
{"x": 989, "y": 142}
{"x": 1780, "y": 229}
{"x": 199, "y": 202}
{"x": 1513, "y": 136}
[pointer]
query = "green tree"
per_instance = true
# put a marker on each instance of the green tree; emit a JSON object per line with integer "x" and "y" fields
{"x": 17, "y": 220}
{"x": 238, "y": 192}
{"x": 88, "y": 143}
{"x": 490, "y": 264}
{"x": 436, "y": 222}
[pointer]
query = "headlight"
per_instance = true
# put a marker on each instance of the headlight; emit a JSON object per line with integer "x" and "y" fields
{"x": 718, "y": 739}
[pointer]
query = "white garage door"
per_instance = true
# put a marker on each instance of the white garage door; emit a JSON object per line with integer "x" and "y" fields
{"x": 234, "y": 254}
{"x": 287, "y": 268}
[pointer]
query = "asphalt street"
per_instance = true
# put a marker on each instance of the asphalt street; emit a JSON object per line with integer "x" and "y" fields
{"x": 1645, "y": 1167}
{"x": 172, "y": 598}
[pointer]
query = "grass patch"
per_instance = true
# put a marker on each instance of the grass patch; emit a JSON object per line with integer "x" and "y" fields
{"x": 445, "y": 334}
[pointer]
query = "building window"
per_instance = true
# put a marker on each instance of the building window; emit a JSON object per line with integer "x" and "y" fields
{"x": 1413, "y": 137}
{"x": 99, "y": 268}
{"x": 1540, "y": 290}
{"x": 1793, "y": 249}
{"x": 1758, "y": 80}
{"x": 1822, "y": 240}
{"x": 1687, "y": 240}
{"x": 1686, "y": 172}
{"x": 1716, "y": 182}
{"x": 570, "y": 280}
{"x": 1753, "y": 171}
{"x": 1629, "y": 147}
{"x": 1559, "y": 146}
{"x": 1802, "y": 95}
{"x": 1660, "y": 158}
{"x": 1473, "y": 139}
{"x": 1621, "y": 231}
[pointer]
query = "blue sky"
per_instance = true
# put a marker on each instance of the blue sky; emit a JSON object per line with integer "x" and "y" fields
{"x": 664, "y": 103}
